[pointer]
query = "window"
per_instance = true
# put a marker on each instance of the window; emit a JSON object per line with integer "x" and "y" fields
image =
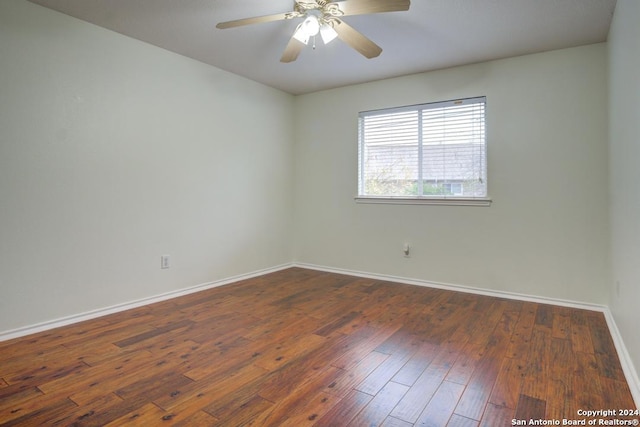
{"x": 424, "y": 153}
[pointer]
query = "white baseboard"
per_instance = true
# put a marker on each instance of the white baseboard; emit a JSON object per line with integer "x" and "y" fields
{"x": 68, "y": 320}
{"x": 458, "y": 288}
{"x": 628, "y": 368}
{"x": 630, "y": 372}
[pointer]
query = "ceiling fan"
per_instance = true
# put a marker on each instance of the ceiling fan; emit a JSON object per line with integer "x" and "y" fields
{"x": 324, "y": 18}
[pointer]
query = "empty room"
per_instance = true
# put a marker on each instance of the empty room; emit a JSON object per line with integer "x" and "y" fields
{"x": 349, "y": 213}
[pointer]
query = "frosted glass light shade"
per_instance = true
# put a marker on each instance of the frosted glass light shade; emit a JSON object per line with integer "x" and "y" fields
{"x": 327, "y": 33}
{"x": 309, "y": 27}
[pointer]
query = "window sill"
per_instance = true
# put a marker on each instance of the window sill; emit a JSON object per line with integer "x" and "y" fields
{"x": 452, "y": 201}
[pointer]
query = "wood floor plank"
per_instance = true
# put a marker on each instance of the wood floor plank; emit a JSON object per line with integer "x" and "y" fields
{"x": 356, "y": 353}
{"x": 580, "y": 333}
{"x": 85, "y": 414}
{"x": 402, "y": 341}
{"x": 94, "y": 354}
{"x": 561, "y": 323}
{"x": 19, "y": 403}
{"x": 605, "y": 350}
{"x": 279, "y": 325}
{"x": 99, "y": 375}
{"x": 169, "y": 380}
{"x": 464, "y": 367}
{"x": 129, "y": 407}
{"x": 310, "y": 411}
{"x": 495, "y": 416}
{"x": 182, "y": 325}
{"x": 246, "y": 412}
{"x": 615, "y": 392}
{"x": 376, "y": 381}
{"x": 283, "y": 381}
{"x": 538, "y": 363}
{"x": 478, "y": 391}
{"x": 379, "y": 408}
{"x": 459, "y": 421}
{"x": 146, "y": 415}
{"x": 199, "y": 418}
{"x": 337, "y": 324}
{"x": 110, "y": 333}
{"x": 229, "y": 356}
{"x": 530, "y": 408}
{"x": 345, "y": 410}
{"x": 419, "y": 394}
{"x": 418, "y": 362}
{"x": 559, "y": 391}
{"x": 521, "y": 338}
{"x": 124, "y": 378}
{"x": 303, "y": 395}
{"x": 282, "y": 353}
{"x": 209, "y": 391}
{"x": 444, "y": 321}
{"x": 300, "y": 347}
{"x": 587, "y": 382}
{"x": 470, "y": 341}
{"x": 394, "y": 422}
{"x": 234, "y": 402}
{"x": 41, "y": 374}
{"x": 348, "y": 380}
{"x": 441, "y": 406}
{"x": 506, "y": 391}
{"x": 13, "y": 365}
{"x": 42, "y": 415}
{"x": 544, "y": 316}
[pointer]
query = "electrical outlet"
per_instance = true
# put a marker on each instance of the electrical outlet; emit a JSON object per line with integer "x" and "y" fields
{"x": 406, "y": 249}
{"x": 164, "y": 261}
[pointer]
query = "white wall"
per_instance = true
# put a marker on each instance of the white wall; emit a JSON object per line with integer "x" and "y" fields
{"x": 114, "y": 152}
{"x": 624, "y": 142}
{"x": 546, "y": 233}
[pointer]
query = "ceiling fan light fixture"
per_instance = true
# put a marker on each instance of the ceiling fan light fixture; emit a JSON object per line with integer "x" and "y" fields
{"x": 310, "y": 27}
{"x": 301, "y": 34}
{"x": 324, "y": 17}
{"x": 327, "y": 33}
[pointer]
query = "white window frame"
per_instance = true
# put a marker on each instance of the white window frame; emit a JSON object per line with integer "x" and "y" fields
{"x": 418, "y": 199}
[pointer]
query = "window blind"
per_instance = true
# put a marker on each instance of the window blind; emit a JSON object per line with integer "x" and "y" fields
{"x": 435, "y": 150}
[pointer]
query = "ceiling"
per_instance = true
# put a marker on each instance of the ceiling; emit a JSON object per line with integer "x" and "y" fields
{"x": 433, "y": 34}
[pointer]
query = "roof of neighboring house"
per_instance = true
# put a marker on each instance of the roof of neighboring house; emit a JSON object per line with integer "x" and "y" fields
{"x": 452, "y": 162}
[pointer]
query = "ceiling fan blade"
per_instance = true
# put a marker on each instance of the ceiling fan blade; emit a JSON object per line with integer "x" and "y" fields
{"x": 356, "y": 40}
{"x": 255, "y": 20}
{"x": 361, "y": 7}
{"x": 292, "y": 50}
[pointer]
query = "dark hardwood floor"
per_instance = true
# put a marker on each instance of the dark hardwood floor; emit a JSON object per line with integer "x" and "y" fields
{"x": 301, "y": 347}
